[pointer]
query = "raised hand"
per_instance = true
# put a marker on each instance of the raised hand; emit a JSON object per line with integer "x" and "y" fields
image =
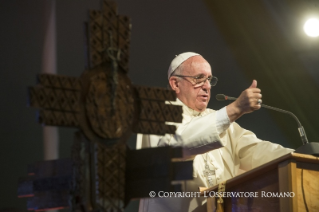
{"x": 248, "y": 101}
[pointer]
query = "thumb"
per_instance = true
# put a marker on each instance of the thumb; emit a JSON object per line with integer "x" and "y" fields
{"x": 254, "y": 84}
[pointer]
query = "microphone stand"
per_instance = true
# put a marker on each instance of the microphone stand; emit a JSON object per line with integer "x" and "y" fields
{"x": 307, "y": 148}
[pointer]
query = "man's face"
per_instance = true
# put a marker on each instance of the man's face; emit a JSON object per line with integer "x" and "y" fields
{"x": 196, "y": 98}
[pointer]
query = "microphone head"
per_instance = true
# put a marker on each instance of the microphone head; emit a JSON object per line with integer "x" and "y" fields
{"x": 221, "y": 97}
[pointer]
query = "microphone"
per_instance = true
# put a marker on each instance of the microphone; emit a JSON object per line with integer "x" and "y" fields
{"x": 307, "y": 148}
{"x": 222, "y": 97}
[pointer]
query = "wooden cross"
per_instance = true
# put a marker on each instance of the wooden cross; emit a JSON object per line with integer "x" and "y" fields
{"x": 106, "y": 108}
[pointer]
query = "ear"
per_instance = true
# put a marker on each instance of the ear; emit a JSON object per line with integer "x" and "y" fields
{"x": 173, "y": 82}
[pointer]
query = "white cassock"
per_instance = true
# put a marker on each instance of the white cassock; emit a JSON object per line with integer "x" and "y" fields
{"x": 225, "y": 147}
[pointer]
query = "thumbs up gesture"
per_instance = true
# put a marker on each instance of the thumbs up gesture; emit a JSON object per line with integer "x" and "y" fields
{"x": 248, "y": 101}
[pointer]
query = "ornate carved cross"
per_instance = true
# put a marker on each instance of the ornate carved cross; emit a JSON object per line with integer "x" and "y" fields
{"x": 103, "y": 173}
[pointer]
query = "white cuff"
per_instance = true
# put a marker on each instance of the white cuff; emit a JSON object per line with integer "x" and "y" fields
{"x": 222, "y": 120}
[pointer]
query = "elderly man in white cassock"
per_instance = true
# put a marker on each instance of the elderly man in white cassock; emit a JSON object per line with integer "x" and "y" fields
{"x": 221, "y": 148}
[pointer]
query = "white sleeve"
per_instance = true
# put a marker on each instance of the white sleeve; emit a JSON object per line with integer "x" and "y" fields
{"x": 196, "y": 137}
{"x": 222, "y": 120}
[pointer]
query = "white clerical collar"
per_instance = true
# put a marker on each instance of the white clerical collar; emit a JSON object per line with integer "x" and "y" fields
{"x": 187, "y": 110}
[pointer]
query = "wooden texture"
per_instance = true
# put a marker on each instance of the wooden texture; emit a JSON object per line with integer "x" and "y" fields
{"x": 153, "y": 112}
{"x": 102, "y": 102}
{"x": 294, "y": 172}
{"x": 103, "y": 176}
{"x": 106, "y": 108}
{"x": 307, "y": 187}
{"x": 267, "y": 183}
{"x": 102, "y": 26}
{"x": 109, "y": 172}
{"x": 287, "y": 183}
{"x": 107, "y": 119}
{"x": 58, "y": 98}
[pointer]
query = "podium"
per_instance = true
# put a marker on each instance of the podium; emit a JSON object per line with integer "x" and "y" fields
{"x": 289, "y": 183}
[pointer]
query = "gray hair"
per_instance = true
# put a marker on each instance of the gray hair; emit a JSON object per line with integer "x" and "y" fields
{"x": 178, "y": 71}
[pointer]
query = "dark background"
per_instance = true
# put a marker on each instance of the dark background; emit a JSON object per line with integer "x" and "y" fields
{"x": 243, "y": 41}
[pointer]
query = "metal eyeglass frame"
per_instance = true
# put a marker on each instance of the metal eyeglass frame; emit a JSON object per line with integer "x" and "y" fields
{"x": 213, "y": 81}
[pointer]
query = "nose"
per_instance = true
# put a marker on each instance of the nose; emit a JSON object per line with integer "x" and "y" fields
{"x": 207, "y": 85}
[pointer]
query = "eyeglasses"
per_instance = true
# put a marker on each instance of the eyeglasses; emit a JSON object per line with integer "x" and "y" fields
{"x": 200, "y": 80}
